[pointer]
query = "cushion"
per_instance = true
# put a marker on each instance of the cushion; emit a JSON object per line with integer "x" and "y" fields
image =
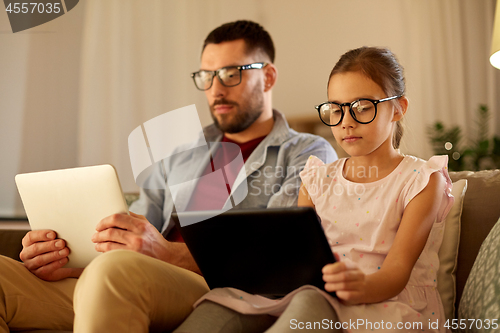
{"x": 449, "y": 251}
{"x": 481, "y": 296}
{"x": 480, "y": 213}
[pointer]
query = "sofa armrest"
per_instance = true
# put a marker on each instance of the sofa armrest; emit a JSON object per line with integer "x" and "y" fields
{"x": 10, "y": 242}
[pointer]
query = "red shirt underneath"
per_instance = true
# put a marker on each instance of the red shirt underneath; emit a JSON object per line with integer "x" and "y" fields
{"x": 208, "y": 195}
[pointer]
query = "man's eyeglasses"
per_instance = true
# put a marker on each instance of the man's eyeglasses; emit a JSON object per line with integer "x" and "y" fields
{"x": 363, "y": 110}
{"x": 229, "y": 76}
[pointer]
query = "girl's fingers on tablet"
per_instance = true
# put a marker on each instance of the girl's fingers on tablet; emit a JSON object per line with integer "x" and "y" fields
{"x": 334, "y": 268}
{"x": 345, "y": 276}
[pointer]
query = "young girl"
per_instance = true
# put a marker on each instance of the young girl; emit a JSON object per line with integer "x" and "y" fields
{"x": 382, "y": 213}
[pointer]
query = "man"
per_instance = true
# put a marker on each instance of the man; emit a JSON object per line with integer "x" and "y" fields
{"x": 127, "y": 291}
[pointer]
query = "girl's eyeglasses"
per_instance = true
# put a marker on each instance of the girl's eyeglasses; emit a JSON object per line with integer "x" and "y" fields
{"x": 363, "y": 110}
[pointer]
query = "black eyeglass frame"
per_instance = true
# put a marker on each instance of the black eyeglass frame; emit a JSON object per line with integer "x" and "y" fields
{"x": 351, "y": 111}
{"x": 255, "y": 65}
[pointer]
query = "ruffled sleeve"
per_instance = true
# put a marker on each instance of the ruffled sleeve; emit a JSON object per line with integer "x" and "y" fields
{"x": 310, "y": 170}
{"x": 423, "y": 173}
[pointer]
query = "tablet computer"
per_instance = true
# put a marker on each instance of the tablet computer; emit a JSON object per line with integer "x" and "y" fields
{"x": 71, "y": 202}
{"x": 269, "y": 251}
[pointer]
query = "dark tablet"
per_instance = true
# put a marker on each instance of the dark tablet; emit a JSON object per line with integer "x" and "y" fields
{"x": 268, "y": 252}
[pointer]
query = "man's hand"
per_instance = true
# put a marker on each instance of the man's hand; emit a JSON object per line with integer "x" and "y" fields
{"x": 347, "y": 280}
{"x": 129, "y": 232}
{"x": 134, "y": 232}
{"x": 45, "y": 256}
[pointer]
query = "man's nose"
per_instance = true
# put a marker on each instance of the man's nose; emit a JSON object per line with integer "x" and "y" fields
{"x": 218, "y": 89}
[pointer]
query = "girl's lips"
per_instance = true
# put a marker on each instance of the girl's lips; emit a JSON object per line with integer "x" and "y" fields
{"x": 350, "y": 139}
{"x": 223, "y": 108}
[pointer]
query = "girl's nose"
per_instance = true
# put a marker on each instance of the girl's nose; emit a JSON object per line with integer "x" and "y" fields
{"x": 348, "y": 120}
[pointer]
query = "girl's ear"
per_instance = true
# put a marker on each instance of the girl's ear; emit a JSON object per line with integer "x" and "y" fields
{"x": 270, "y": 76}
{"x": 401, "y": 109}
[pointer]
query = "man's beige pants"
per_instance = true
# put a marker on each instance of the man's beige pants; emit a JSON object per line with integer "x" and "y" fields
{"x": 120, "y": 291}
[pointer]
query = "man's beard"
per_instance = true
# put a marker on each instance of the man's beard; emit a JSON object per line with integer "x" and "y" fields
{"x": 243, "y": 117}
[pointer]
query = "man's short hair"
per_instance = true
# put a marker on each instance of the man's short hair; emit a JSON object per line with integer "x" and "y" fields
{"x": 254, "y": 35}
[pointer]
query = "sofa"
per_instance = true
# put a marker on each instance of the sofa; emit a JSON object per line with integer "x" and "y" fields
{"x": 468, "y": 279}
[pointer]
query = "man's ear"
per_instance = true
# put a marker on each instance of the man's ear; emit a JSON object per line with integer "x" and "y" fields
{"x": 401, "y": 109}
{"x": 270, "y": 76}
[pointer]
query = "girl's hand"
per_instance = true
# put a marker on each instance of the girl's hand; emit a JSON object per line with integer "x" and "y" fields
{"x": 347, "y": 280}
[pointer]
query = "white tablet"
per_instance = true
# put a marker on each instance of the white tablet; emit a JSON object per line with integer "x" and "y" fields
{"x": 71, "y": 202}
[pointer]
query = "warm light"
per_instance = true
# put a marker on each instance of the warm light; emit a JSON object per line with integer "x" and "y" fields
{"x": 495, "y": 42}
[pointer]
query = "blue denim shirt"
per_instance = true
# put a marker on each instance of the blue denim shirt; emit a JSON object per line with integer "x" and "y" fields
{"x": 272, "y": 173}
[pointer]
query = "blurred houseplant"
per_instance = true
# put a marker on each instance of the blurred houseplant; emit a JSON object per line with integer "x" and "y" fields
{"x": 479, "y": 153}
